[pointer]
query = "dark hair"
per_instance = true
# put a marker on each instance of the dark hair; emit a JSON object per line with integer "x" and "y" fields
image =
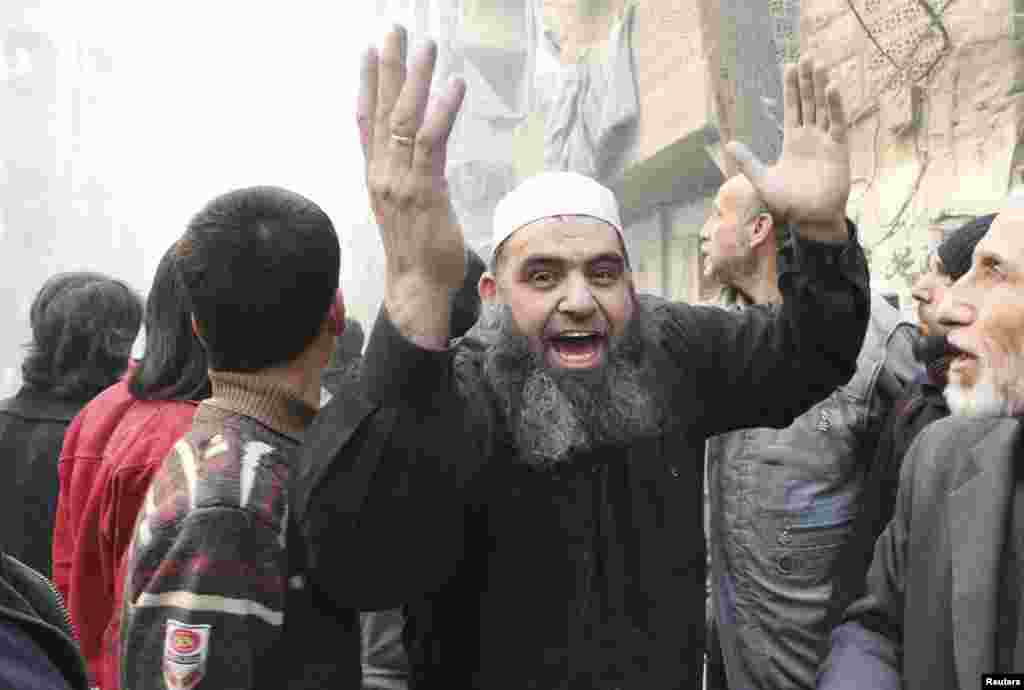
{"x": 83, "y": 328}
{"x": 466, "y": 303}
{"x": 174, "y": 365}
{"x": 349, "y": 345}
{"x": 260, "y": 267}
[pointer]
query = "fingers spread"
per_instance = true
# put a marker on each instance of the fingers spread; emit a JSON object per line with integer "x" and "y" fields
{"x": 837, "y": 115}
{"x": 791, "y": 98}
{"x": 807, "y": 111}
{"x": 820, "y": 101}
{"x": 432, "y": 140}
{"x": 391, "y": 78}
{"x": 366, "y": 104}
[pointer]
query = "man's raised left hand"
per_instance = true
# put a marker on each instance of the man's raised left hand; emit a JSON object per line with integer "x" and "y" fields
{"x": 809, "y": 185}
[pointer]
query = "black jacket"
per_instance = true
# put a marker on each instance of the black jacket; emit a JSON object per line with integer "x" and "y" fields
{"x": 588, "y": 576}
{"x": 32, "y": 427}
{"x": 921, "y": 404}
{"x": 930, "y": 616}
{"x": 29, "y": 602}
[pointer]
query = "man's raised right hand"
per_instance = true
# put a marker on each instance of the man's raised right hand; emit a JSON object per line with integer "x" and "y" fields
{"x": 404, "y": 134}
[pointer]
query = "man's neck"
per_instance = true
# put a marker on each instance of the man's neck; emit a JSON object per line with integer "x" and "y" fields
{"x": 302, "y": 380}
{"x": 761, "y": 287}
{"x": 271, "y": 400}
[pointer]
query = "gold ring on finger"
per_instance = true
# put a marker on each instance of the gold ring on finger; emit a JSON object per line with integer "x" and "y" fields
{"x": 403, "y": 140}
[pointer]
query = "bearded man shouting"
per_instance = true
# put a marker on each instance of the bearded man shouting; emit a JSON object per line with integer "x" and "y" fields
{"x": 535, "y": 491}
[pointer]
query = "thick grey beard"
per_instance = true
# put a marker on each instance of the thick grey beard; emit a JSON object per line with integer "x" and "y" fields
{"x": 556, "y": 414}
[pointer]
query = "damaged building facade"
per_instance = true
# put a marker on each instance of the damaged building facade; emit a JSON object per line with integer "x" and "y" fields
{"x": 617, "y": 90}
{"x": 638, "y": 93}
{"x": 933, "y": 91}
{"x": 643, "y": 94}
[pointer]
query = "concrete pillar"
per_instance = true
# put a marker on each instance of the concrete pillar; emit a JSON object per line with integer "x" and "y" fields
{"x": 744, "y": 75}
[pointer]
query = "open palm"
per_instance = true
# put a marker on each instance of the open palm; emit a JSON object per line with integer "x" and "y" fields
{"x": 404, "y": 133}
{"x": 810, "y": 183}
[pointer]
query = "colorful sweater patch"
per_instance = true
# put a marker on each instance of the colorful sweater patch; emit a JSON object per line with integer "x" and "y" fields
{"x": 207, "y": 570}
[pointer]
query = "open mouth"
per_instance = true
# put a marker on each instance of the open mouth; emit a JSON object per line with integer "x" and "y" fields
{"x": 577, "y": 349}
{"x": 960, "y": 360}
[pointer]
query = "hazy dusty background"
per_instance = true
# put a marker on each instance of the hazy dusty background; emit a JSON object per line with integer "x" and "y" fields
{"x": 120, "y": 119}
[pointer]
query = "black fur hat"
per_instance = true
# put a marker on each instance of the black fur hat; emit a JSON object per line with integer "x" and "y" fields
{"x": 957, "y": 249}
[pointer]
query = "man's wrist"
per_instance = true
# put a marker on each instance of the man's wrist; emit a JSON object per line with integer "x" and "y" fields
{"x": 421, "y": 312}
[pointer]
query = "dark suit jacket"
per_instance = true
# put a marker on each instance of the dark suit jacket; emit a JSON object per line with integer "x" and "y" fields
{"x": 928, "y": 619}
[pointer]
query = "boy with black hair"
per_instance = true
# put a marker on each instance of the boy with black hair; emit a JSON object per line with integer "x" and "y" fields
{"x": 209, "y": 575}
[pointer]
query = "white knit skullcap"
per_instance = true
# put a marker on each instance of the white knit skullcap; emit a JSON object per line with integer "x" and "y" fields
{"x": 550, "y": 194}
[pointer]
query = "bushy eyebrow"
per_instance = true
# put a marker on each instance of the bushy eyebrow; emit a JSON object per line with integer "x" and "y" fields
{"x": 536, "y": 263}
{"x": 545, "y": 262}
{"x": 615, "y": 261}
{"x": 981, "y": 255}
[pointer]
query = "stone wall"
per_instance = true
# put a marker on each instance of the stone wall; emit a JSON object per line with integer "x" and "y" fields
{"x": 932, "y": 88}
{"x": 933, "y": 93}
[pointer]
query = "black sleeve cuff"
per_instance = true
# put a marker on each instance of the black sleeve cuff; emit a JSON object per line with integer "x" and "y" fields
{"x": 396, "y": 370}
{"x": 824, "y": 261}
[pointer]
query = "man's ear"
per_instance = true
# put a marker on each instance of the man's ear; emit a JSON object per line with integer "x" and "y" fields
{"x": 762, "y": 230}
{"x": 487, "y": 287}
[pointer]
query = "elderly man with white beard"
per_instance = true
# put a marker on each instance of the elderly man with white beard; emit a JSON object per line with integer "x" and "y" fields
{"x": 533, "y": 493}
{"x": 944, "y": 595}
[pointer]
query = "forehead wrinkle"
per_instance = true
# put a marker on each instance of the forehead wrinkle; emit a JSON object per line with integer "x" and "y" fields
{"x": 1005, "y": 233}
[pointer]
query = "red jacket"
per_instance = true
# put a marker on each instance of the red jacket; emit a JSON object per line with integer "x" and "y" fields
{"x": 111, "y": 452}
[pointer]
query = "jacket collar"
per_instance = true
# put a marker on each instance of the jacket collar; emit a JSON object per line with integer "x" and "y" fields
{"x": 272, "y": 404}
{"x": 978, "y": 501}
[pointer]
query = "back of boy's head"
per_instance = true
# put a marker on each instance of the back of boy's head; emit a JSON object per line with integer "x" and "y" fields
{"x": 260, "y": 268}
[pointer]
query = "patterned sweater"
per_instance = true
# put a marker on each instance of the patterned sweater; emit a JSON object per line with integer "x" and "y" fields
{"x": 207, "y": 574}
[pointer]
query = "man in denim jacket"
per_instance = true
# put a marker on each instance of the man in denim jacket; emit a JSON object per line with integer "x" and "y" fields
{"x": 782, "y": 501}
